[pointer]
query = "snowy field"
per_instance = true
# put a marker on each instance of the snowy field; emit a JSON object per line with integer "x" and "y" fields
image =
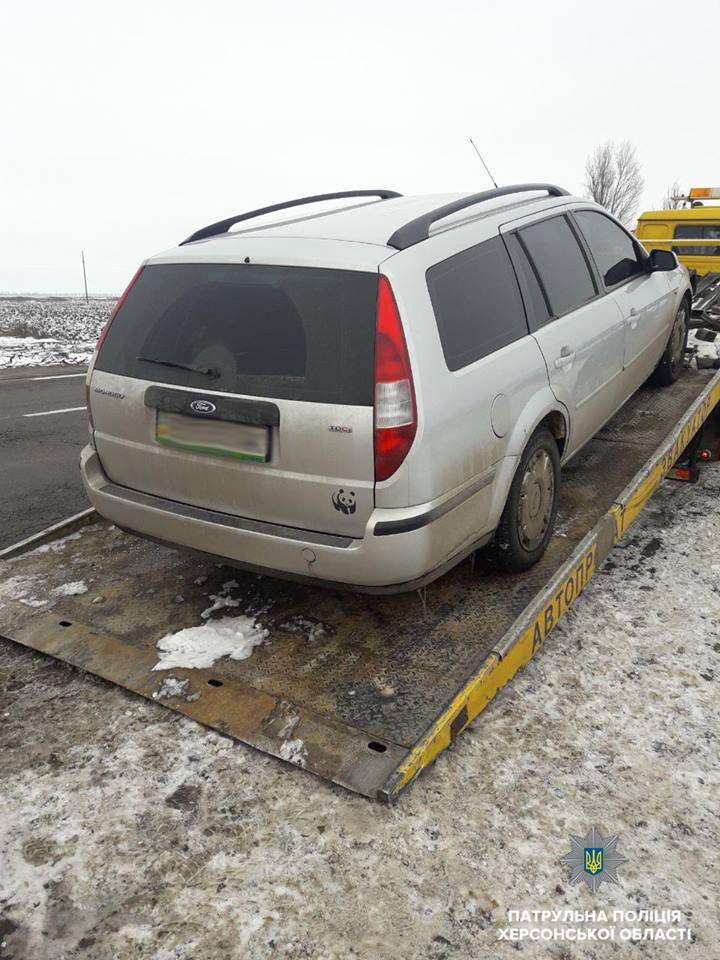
{"x": 128, "y": 831}
{"x": 40, "y": 331}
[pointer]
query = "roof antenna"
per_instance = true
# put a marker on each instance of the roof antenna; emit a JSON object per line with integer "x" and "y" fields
{"x": 483, "y": 162}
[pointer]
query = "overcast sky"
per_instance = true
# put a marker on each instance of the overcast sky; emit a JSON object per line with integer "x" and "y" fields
{"x": 125, "y": 126}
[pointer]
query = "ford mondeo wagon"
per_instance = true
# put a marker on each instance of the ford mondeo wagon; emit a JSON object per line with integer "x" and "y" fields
{"x": 362, "y": 397}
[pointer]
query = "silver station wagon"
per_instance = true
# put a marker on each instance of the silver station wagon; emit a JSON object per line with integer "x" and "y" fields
{"x": 364, "y": 396}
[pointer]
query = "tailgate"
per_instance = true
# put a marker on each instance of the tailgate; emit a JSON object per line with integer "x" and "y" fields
{"x": 246, "y": 390}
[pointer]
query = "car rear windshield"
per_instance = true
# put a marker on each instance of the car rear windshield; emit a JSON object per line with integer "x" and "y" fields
{"x": 295, "y": 333}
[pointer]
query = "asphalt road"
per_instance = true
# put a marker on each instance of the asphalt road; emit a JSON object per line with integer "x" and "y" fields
{"x": 42, "y": 430}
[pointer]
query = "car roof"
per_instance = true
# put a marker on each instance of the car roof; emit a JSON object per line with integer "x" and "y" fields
{"x": 354, "y": 235}
{"x": 375, "y": 221}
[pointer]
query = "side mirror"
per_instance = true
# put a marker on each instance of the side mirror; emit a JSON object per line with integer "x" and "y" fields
{"x": 663, "y": 260}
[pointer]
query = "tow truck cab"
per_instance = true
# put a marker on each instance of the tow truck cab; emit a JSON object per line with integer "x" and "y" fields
{"x": 692, "y": 231}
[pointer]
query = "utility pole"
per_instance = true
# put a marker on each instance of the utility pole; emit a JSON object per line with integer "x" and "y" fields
{"x": 82, "y": 254}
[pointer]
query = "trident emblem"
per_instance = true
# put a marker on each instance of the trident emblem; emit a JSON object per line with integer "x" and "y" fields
{"x": 593, "y": 860}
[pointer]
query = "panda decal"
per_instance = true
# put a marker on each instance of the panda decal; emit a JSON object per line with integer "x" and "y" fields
{"x": 344, "y": 501}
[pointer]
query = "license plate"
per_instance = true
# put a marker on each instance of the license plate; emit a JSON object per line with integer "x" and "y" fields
{"x": 217, "y": 438}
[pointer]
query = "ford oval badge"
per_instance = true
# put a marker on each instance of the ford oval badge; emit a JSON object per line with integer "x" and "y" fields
{"x": 202, "y": 406}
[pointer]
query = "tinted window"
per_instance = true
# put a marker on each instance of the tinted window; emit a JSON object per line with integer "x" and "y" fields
{"x": 560, "y": 263}
{"x": 614, "y": 252}
{"x": 477, "y": 303}
{"x": 536, "y": 306}
{"x": 287, "y": 332}
{"x": 698, "y": 231}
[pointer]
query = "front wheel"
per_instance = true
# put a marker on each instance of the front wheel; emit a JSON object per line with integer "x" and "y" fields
{"x": 528, "y": 519}
{"x": 671, "y": 363}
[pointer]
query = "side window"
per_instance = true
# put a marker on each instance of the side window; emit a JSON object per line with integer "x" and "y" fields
{"x": 697, "y": 231}
{"x": 536, "y": 306}
{"x": 560, "y": 264}
{"x": 614, "y": 251}
{"x": 477, "y": 303}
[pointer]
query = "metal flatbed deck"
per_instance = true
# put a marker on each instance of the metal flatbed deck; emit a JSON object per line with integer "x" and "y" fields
{"x": 362, "y": 690}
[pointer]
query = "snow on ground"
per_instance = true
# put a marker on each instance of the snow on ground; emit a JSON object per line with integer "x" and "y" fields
{"x": 73, "y": 589}
{"x": 200, "y": 647}
{"x": 703, "y": 347}
{"x": 40, "y": 331}
{"x": 129, "y": 831}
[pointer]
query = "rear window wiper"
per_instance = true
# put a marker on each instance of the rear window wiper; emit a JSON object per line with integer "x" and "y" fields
{"x": 205, "y": 371}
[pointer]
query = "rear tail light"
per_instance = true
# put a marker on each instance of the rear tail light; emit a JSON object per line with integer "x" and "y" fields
{"x": 101, "y": 341}
{"x": 395, "y": 410}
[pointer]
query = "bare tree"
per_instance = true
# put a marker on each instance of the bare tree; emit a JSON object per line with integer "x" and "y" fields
{"x": 673, "y": 197}
{"x": 613, "y": 178}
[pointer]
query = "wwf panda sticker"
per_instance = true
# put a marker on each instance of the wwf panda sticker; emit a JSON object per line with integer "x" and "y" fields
{"x": 344, "y": 501}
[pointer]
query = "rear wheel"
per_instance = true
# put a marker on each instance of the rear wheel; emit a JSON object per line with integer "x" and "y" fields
{"x": 671, "y": 362}
{"x": 528, "y": 519}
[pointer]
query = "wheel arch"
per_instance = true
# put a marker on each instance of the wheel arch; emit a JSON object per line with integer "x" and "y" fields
{"x": 542, "y": 410}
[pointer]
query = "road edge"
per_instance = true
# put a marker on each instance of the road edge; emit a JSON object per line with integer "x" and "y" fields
{"x": 54, "y": 532}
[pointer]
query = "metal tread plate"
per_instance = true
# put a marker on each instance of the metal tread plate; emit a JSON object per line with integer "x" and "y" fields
{"x": 372, "y": 683}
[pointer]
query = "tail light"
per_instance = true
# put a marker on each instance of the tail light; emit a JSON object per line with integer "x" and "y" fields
{"x": 101, "y": 341}
{"x": 395, "y": 410}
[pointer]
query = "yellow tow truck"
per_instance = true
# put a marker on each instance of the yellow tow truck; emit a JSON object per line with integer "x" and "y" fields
{"x": 695, "y": 222}
{"x": 692, "y": 231}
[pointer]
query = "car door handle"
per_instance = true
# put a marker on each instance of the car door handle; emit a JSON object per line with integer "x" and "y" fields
{"x": 632, "y": 320}
{"x": 565, "y": 359}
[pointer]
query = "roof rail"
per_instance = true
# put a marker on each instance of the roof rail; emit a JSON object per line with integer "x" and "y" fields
{"x": 222, "y": 226}
{"x": 419, "y": 229}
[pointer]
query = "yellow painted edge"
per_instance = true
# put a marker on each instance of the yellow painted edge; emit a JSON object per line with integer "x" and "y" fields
{"x": 496, "y": 672}
{"x": 626, "y": 514}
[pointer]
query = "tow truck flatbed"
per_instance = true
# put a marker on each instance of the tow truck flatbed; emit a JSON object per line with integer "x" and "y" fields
{"x": 364, "y": 691}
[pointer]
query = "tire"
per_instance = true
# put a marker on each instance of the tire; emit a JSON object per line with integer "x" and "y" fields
{"x": 519, "y": 543}
{"x": 671, "y": 363}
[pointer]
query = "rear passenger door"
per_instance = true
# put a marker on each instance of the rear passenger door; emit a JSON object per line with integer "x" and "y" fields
{"x": 492, "y": 368}
{"x": 580, "y": 332}
{"x": 645, "y": 299}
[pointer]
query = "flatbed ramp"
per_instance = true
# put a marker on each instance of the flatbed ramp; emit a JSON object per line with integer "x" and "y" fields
{"x": 362, "y": 690}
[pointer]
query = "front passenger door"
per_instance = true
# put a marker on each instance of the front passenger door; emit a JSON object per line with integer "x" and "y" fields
{"x": 645, "y": 299}
{"x": 580, "y": 333}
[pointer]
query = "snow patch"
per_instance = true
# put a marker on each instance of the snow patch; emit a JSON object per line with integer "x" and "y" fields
{"x": 173, "y": 687}
{"x": 200, "y": 647}
{"x": 221, "y": 600}
{"x": 312, "y": 630}
{"x": 703, "y": 347}
{"x": 57, "y": 546}
{"x": 74, "y": 589}
{"x": 16, "y": 588}
{"x": 294, "y": 752}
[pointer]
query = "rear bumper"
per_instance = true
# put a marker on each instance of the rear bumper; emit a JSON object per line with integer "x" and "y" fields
{"x": 429, "y": 539}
